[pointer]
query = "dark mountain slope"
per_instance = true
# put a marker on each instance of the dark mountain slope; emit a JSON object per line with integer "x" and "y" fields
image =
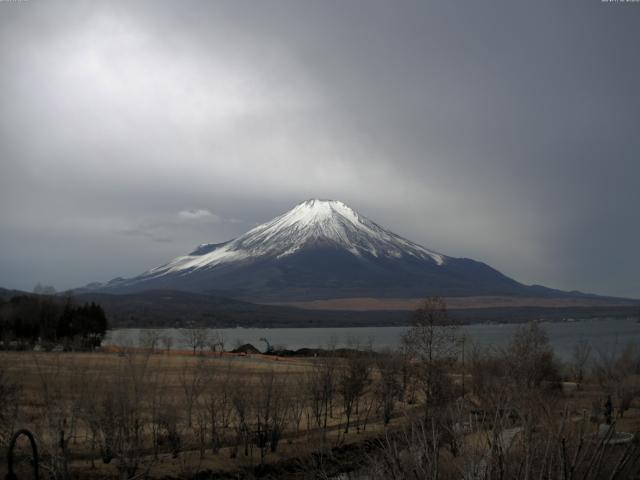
{"x": 324, "y": 249}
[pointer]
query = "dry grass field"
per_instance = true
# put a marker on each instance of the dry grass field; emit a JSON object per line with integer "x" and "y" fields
{"x": 410, "y": 304}
{"x": 173, "y": 394}
{"x": 171, "y": 414}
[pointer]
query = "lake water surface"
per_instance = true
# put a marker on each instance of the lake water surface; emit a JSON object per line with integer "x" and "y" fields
{"x": 605, "y": 335}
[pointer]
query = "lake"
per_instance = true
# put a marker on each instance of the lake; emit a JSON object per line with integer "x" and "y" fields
{"x": 605, "y": 335}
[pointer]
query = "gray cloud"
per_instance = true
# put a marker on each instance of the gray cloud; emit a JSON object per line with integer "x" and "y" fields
{"x": 143, "y": 233}
{"x": 501, "y": 131}
{"x": 199, "y": 214}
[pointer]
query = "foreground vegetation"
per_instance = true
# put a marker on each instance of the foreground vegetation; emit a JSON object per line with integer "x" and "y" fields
{"x": 438, "y": 407}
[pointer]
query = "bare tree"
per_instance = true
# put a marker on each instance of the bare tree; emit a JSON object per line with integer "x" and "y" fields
{"x": 125, "y": 415}
{"x": 488, "y": 371}
{"x": 298, "y": 403}
{"x": 201, "y": 424}
{"x": 216, "y": 342}
{"x": 196, "y": 338}
{"x": 240, "y": 399}
{"x": 388, "y": 387}
{"x": 167, "y": 342}
{"x": 321, "y": 385}
{"x": 170, "y": 431}
{"x": 354, "y": 375}
{"x": 617, "y": 374}
{"x": 191, "y": 382}
{"x": 414, "y": 452}
{"x": 157, "y": 404}
{"x": 432, "y": 345}
{"x": 530, "y": 358}
{"x": 269, "y": 412}
{"x": 150, "y": 338}
{"x": 218, "y": 401}
{"x": 88, "y": 404}
{"x": 56, "y": 411}
{"x": 580, "y": 357}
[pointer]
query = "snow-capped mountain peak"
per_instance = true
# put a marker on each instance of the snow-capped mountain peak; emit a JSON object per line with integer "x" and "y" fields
{"x": 321, "y": 249}
{"x": 328, "y": 223}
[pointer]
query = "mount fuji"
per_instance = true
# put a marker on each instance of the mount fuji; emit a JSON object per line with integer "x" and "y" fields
{"x": 323, "y": 249}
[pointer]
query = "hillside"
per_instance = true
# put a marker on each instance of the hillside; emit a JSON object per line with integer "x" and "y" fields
{"x": 323, "y": 249}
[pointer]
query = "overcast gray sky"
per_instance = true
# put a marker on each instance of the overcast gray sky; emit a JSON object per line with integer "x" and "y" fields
{"x": 503, "y": 131}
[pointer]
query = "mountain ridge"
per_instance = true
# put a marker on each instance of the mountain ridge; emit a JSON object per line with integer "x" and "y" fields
{"x": 322, "y": 249}
{"x": 180, "y": 309}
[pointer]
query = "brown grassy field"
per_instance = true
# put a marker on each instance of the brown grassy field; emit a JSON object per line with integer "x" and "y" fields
{"x": 127, "y": 414}
{"x": 59, "y": 390}
{"x": 410, "y": 304}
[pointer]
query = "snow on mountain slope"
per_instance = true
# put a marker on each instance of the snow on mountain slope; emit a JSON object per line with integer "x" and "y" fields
{"x": 314, "y": 221}
{"x": 317, "y": 250}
